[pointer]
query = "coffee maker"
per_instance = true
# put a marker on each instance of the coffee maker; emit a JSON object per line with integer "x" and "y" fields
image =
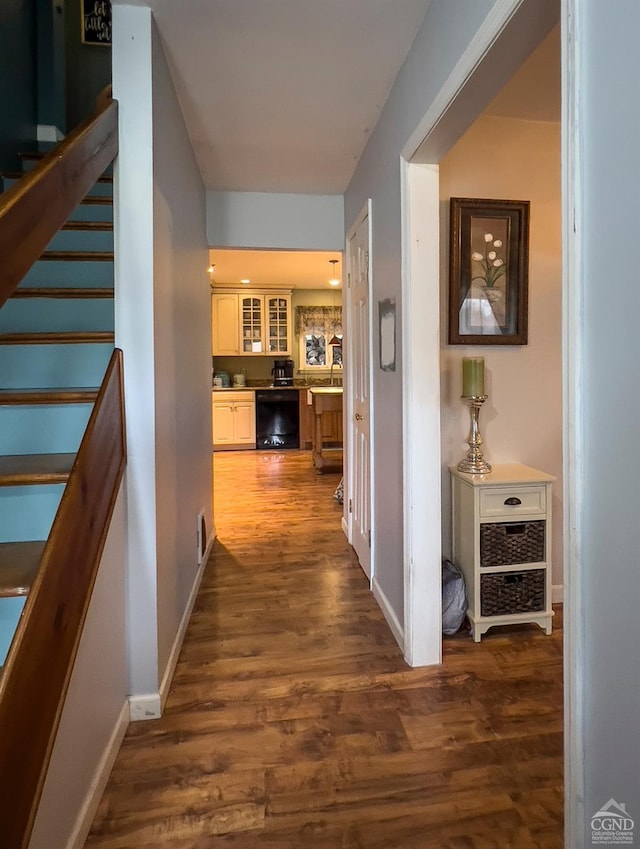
{"x": 282, "y": 372}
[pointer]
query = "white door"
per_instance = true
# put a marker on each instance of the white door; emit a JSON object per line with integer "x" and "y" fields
{"x": 360, "y": 437}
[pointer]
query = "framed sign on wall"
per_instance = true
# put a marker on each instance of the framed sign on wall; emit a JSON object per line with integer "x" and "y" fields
{"x": 95, "y": 24}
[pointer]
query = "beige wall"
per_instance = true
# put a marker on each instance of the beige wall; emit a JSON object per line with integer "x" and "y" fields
{"x": 522, "y": 419}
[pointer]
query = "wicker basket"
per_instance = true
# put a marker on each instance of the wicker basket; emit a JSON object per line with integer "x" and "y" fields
{"x": 502, "y": 593}
{"x": 508, "y": 543}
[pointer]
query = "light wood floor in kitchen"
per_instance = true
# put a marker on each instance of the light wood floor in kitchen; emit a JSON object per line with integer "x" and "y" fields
{"x": 294, "y": 722}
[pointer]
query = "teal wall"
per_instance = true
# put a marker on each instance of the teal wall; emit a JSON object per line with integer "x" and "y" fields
{"x": 88, "y": 68}
{"x": 18, "y": 103}
{"x": 50, "y": 35}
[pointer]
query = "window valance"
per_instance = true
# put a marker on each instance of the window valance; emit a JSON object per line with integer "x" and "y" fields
{"x": 318, "y": 320}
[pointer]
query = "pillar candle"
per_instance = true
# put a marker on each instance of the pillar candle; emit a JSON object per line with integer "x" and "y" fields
{"x": 472, "y": 376}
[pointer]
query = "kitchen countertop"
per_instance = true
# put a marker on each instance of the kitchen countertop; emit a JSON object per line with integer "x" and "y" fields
{"x": 329, "y": 390}
{"x": 325, "y": 390}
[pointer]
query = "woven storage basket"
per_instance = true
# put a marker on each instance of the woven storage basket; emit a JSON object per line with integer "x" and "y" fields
{"x": 502, "y": 593}
{"x": 508, "y": 543}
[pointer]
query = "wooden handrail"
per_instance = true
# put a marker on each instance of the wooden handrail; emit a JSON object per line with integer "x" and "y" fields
{"x": 33, "y": 210}
{"x": 38, "y": 668}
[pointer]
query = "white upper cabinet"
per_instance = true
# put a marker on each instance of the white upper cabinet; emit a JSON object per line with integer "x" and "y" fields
{"x": 251, "y": 323}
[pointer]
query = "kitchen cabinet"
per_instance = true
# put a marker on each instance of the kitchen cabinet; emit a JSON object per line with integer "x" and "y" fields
{"x": 327, "y": 412}
{"x": 501, "y": 534}
{"x": 331, "y": 423}
{"x": 251, "y": 323}
{"x": 234, "y": 419}
{"x": 225, "y": 328}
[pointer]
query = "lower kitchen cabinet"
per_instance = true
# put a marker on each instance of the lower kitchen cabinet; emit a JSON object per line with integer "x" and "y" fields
{"x": 331, "y": 423}
{"x": 234, "y": 420}
{"x": 501, "y": 525}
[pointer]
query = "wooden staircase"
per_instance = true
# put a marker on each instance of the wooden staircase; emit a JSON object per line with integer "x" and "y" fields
{"x": 56, "y": 337}
{"x": 62, "y": 438}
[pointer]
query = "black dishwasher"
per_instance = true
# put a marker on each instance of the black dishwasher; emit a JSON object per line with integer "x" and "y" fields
{"x": 277, "y": 418}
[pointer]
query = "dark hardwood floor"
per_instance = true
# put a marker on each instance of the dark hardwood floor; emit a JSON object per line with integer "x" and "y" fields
{"x": 293, "y": 720}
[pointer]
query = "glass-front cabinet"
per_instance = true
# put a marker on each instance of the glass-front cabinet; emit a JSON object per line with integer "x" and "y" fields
{"x": 251, "y": 323}
{"x": 278, "y": 321}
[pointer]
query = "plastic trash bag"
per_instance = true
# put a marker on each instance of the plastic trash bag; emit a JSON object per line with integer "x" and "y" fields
{"x": 454, "y": 598}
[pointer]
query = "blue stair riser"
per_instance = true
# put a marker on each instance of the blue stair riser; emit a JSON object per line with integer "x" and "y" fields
{"x": 10, "y": 610}
{"x": 53, "y": 366}
{"x": 27, "y": 512}
{"x": 42, "y": 429}
{"x": 92, "y": 212}
{"x": 63, "y": 273}
{"x": 82, "y": 240}
{"x": 98, "y": 190}
{"x": 41, "y": 315}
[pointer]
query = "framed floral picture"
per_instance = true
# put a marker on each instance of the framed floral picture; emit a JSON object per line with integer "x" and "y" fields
{"x": 488, "y": 271}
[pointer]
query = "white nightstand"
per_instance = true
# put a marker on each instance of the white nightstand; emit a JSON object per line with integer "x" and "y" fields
{"x": 501, "y": 525}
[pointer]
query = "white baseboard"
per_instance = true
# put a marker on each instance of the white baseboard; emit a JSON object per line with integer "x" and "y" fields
{"x": 184, "y": 624}
{"x": 345, "y": 529}
{"x": 389, "y": 615}
{"x": 48, "y": 133}
{"x": 145, "y": 706}
{"x": 557, "y": 593}
{"x": 151, "y": 705}
{"x": 95, "y": 790}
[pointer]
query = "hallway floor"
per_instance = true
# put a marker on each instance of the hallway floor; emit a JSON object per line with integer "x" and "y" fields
{"x": 294, "y": 722}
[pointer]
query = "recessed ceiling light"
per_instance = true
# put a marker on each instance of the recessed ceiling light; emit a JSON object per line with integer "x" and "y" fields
{"x": 245, "y": 281}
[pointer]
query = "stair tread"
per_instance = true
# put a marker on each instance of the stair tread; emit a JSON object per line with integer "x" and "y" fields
{"x": 97, "y": 200}
{"x": 100, "y": 226}
{"x": 63, "y": 292}
{"x": 19, "y": 562}
{"x": 25, "y": 469}
{"x": 56, "y": 395}
{"x": 77, "y": 337}
{"x": 78, "y": 256}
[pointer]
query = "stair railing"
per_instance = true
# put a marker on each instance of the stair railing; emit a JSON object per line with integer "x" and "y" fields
{"x": 36, "y": 675}
{"x": 35, "y": 208}
{"x": 35, "y": 678}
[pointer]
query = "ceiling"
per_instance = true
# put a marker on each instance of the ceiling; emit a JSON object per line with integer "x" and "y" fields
{"x": 275, "y": 269}
{"x": 533, "y": 92}
{"x": 281, "y": 95}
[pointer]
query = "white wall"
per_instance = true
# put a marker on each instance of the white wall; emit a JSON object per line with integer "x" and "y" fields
{"x": 95, "y": 712}
{"x": 270, "y": 220}
{"x": 162, "y": 324}
{"x": 444, "y": 35}
{"x": 603, "y": 305}
{"x": 522, "y": 419}
{"x": 182, "y": 344}
{"x": 134, "y": 325}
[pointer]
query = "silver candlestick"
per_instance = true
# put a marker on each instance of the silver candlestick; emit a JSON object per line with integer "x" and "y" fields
{"x": 474, "y": 463}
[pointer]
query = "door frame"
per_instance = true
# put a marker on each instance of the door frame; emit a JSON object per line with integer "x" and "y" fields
{"x": 572, "y": 340}
{"x": 347, "y": 424}
{"x": 422, "y": 511}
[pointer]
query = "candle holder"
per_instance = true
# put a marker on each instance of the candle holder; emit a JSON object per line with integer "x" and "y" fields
{"x": 474, "y": 463}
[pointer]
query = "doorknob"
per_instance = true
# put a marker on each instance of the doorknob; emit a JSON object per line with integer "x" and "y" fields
{"x": 358, "y": 417}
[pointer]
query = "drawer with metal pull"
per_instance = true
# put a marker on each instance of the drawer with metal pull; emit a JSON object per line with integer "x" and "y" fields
{"x": 505, "y": 502}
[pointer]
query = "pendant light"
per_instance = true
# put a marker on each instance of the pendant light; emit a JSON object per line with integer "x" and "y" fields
{"x": 334, "y": 282}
